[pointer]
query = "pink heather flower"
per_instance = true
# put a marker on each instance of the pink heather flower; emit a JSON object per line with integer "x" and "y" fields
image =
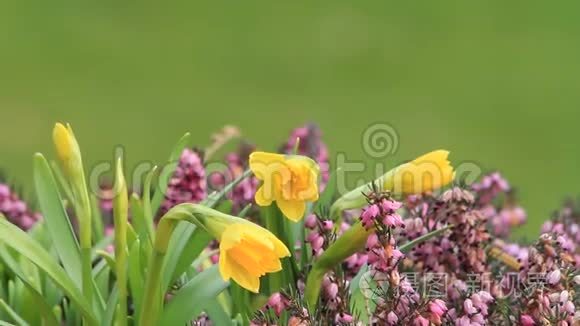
{"x": 373, "y": 241}
{"x": 368, "y": 216}
{"x": 420, "y": 321}
{"x": 553, "y": 277}
{"x": 390, "y": 205}
{"x": 468, "y": 307}
{"x": 569, "y": 307}
{"x": 16, "y": 210}
{"x": 188, "y": 184}
{"x": 393, "y": 220}
{"x": 396, "y": 254}
{"x": 316, "y": 240}
{"x": 345, "y": 318}
{"x": 489, "y": 187}
{"x": 277, "y": 302}
{"x": 327, "y": 225}
{"x": 527, "y": 320}
{"x": 463, "y": 321}
{"x": 310, "y": 221}
{"x": 392, "y": 318}
{"x": 438, "y": 307}
{"x": 332, "y": 290}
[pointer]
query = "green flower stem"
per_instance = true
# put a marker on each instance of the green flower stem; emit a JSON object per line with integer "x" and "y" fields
{"x": 120, "y": 211}
{"x": 85, "y": 248}
{"x": 153, "y": 296}
{"x": 153, "y": 299}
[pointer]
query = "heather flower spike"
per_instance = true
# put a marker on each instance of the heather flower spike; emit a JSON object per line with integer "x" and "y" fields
{"x": 289, "y": 180}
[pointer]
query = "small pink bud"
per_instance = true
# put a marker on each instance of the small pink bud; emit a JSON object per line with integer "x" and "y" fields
{"x": 332, "y": 290}
{"x": 345, "y": 318}
{"x": 468, "y": 307}
{"x": 392, "y": 318}
{"x": 553, "y": 277}
{"x": 327, "y": 225}
{"x": 310, "y": 221}
{"x": 527, "y": 320}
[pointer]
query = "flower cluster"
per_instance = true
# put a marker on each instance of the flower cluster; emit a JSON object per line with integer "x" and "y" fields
{"x": 398, "y": 302}
{"x": 496, "y": 200}
{"x": 15, "y": 209}
{"x": 553, "y": 298}
{"x": 237, "y": 162}
{"x": 459, "y": 251}
{"x": 188, "y": 183}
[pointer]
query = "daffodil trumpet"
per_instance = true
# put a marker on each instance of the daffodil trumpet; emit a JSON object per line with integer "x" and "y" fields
{"x": 247, "y": 251}
{"x": 289, "y": 180}
{"x": 426, "y": 173}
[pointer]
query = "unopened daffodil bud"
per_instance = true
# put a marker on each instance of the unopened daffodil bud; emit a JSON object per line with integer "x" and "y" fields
{"x": 424, "y": 174}
{"x": 67, "y": 150}
{"x": 289, "y": 180}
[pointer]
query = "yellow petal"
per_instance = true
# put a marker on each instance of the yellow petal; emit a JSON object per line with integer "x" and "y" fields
{"x": 292, "y": 209}
{"x": 243, "y": 277}
{"x": 263, "y": 164}
{"x": 310, "y": 163}
{"x": 225, "y": 268}
{"x": 271, "y": 265}
{"x": 62, "y": 141}
{"x": 249, "y": 260}
{"x": 262, "y": 198}
{"x": 230, "y": 237}
{"x": 268, "y": 239}
{"x": 426, "y": 173}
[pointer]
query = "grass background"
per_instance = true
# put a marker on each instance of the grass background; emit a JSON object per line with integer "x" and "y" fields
{"x": 496, "y": 83}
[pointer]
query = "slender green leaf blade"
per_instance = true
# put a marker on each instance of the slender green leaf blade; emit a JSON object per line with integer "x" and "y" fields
{"x": 136, "y": 280}
{"x": 188, "y": 302}
{"x": 15, "y": 317}
{"x": 34, "y": 289}
{"x": 56, "y": 219}
{"x": 19, "y": 241}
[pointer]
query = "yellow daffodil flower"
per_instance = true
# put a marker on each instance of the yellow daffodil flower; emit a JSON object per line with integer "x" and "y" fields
{"x": 290, "y": 180}
{"x": 248, "y": 252}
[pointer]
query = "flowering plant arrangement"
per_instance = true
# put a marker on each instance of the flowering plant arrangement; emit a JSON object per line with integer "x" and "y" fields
{"x": 268, "y": 238}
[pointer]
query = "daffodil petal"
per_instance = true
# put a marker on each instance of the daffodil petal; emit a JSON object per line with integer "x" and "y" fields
{"x": 262, "y": 198}
{"x": 231, "y": 236}
{"x": 243, "y": 277}
{"x": 292, "y": 209}
{"x": 224, "y": 267}
{"x": 261, "y": 163}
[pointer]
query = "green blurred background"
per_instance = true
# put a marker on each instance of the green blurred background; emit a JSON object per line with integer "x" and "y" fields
{"x": 496, "y": 82}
